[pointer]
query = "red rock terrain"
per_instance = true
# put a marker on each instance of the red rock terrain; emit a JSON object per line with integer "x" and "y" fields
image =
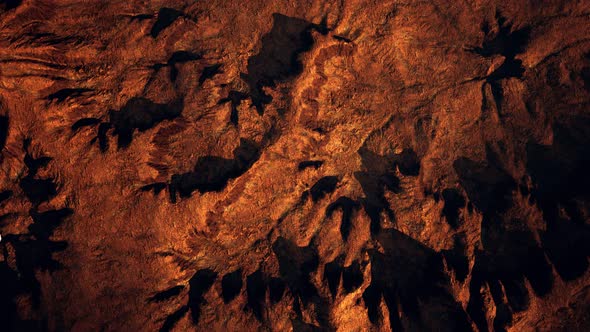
{"x": 350, "y": 165}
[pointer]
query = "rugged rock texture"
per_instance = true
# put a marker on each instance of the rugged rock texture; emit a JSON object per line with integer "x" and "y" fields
{"x": 350, "y": 165}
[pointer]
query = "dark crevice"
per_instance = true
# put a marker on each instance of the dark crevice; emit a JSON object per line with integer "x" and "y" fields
{"x": 182, "y": 57}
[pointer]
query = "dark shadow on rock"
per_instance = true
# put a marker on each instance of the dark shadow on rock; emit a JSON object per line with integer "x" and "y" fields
{"x": 85, "y": 122}
{"x": 333, "y": 274}
{"x": 300, "y": 326}
{"x": 456, "y": 257}
{"x": 141, "y": 17}
{"x": 103, "y": 142}
{"x": 560, "y": 183}
{"x": 278, "y": 58}
{"x": 235, "y": 98}
{"x": 348, "y": 207}
{"x": 208, "y": 73}
{"x": 276, "y": 289}
{"x": 199, "y": 284}
{"x": 503, "y": 41}
{"x": 507, "y": 42}
{"x": 10, "y": 288}
{"x": 166, "y": 294}
{"x": 156, "y": 187}
{"x": 64, "y": 94}
{"x": 322, "y": 187}
{"x": 10, "y": 4}
{"x": 309, "y": 164}
{"x": 352, "y": 277}
{"x": 454, "y": 201}
{"x": 173, "y": 318}
{"x": 510, "y": 253}
{"x": 34, "y": 250}
{"x": 4, "y": 195}
{"x": 488, "y": 186}
{"x": 378, "y": 175}
{"x": 295, "y": 266}
{"x": 212, "y": 173}
{"x": 166, "y": 16}
{"x": 175, "y": 58}
{"x": 35, "y": 189}
{"x": 231, "y": 285}
{"x": 407, "y": 162}
{"x": 3, "y": 131}
{"x": 256, "y": 293}
{"x": 411, "y": 279}
{"x": 141, "y": 114}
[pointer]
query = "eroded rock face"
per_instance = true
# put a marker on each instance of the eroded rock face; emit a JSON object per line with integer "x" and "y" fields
{"x": 258, "y": 165}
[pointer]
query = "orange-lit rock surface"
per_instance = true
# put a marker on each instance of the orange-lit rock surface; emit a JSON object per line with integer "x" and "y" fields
{"x": 294, "y": 165}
